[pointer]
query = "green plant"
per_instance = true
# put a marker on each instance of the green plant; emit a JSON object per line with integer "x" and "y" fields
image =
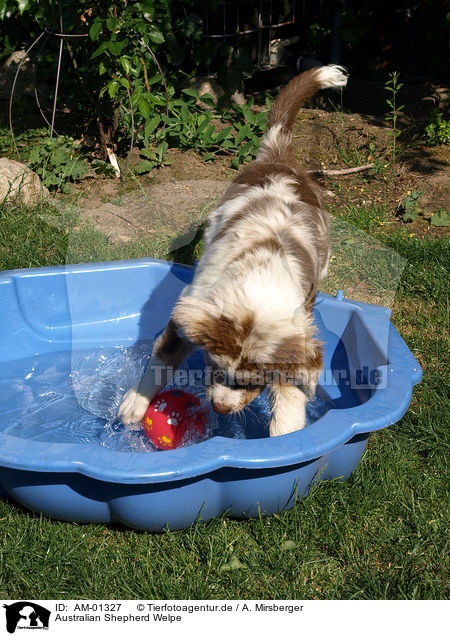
{"x": 440, "y": 218}
{"x": 236, "y": 131}
{"x": 438, "y": 129}
{"x": 409, "y": 208}
{"x": 248, "y": 126}
{"x": 379, "y": 166}
{"x": 128, "y": 77}
{"x": 393, "y": 86}
{"x": 58, "y": 161}
{"x": 142, "y": 59}
{"x": 25, "y": 140}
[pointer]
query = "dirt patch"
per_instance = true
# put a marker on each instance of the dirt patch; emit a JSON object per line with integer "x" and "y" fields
{"x": 333, "y": 140}
{"x": 338, "y": 140}
{"x": 190, "y": 165}
{"x": 172, "y": 209}
{"x": 322, "y": 140}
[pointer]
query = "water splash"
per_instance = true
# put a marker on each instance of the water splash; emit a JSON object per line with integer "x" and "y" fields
{"x": 73, "y": 397}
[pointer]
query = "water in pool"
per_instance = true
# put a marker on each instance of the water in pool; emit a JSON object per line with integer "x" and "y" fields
{"x": 73, "y": 397}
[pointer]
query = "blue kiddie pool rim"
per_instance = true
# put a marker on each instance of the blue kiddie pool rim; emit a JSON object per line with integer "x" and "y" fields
{"x": 385, "y": 407}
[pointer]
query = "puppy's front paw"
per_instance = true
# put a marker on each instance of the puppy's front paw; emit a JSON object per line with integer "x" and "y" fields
{"x": 288, "y": 409}
{"x": 133, "y": 406}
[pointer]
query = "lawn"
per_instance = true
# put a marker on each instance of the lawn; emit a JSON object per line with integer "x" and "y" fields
{"x": 380, "y": 535}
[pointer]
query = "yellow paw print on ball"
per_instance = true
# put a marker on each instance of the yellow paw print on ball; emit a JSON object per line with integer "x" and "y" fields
{"x": 149, "y": 422}
{"x": 165, "y": 441}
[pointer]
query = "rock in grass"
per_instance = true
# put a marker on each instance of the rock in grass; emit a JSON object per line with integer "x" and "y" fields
{"x": 20, "y": 184}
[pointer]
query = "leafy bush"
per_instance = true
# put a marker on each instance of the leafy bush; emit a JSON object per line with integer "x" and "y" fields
{"x": 438, "y": 129}
{"x": 58, "y": 161}
{"x": 128, "y": 72}
{"x": 188, "y": 125}
{"x": 149, "y": 101}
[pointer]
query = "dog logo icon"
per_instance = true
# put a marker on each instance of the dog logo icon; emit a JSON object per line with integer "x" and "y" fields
{"x": 26, "y": 615}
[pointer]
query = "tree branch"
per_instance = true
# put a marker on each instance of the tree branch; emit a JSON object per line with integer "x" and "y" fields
{"x": 337, "y": 173}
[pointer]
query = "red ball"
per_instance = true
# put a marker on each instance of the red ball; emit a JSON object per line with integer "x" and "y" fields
{"x": 173, "y": 418}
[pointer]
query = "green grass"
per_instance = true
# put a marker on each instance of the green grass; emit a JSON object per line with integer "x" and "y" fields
{"x": 381, "y": 534}
{"x": 361, "y": 264}
{"x": 43, "y": 235}
{"x": 26, "y": 240}
{"x": 25, "y": 139}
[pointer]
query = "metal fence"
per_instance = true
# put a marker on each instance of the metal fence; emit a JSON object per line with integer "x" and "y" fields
{"x": 262, "y": 27}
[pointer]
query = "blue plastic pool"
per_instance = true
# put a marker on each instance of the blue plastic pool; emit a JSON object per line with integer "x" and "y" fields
{"x": 60, "y": 454}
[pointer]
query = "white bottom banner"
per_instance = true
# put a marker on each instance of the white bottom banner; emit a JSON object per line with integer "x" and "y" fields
{"x": 187, "y": 617}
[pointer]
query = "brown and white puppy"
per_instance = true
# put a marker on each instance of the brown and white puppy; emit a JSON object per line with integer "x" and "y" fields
{"x": 250, "y": 303}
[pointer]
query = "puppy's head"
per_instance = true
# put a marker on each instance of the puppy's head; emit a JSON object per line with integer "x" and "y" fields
{"x": 246, "y": 351}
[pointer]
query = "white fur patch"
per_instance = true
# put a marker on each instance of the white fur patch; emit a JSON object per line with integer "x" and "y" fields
{"x": 275, "y": 141}
{"x": 221, "y": 394}
{"x": 331, "y": 76}
{"x": 269, "y": 285}
{"x": 288, "y": 410}
{"x": 133, "y": 406}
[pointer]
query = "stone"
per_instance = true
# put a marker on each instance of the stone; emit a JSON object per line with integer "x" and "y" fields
{"x": 19, "y": 183}
{"x": 25, "y": 79}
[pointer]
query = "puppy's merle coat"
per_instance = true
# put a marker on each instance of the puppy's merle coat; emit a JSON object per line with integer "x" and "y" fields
{"x": 250, "y": 303}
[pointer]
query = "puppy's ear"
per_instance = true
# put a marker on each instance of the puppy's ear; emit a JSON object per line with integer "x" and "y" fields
{"x": 299, "y": 351}
{"x": 195, "y": 317}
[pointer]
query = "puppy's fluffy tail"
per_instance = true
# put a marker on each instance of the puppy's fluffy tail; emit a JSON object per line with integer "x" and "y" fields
{"x": 276, "y": 143}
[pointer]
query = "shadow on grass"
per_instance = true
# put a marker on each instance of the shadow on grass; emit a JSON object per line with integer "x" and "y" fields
{"x": 190, "y": 246}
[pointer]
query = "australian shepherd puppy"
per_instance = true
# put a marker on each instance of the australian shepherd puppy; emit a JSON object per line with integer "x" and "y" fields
{"x": 250, "y": 303}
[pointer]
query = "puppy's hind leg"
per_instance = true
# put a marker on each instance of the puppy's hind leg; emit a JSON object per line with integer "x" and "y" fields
{"x": 288, "y": 404}
{"x": 169, "y": 352}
